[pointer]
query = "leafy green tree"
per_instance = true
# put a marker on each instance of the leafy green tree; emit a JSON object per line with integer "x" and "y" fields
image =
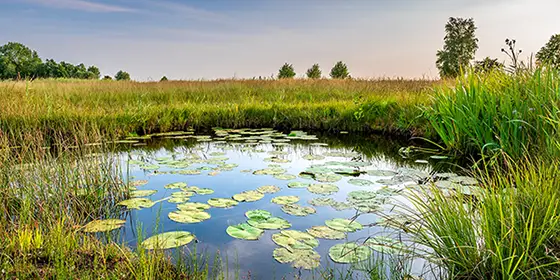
{"x": 314, "y": 72}
{"x": 93, "y": 73}
{"x": 122, "y": 76}
{"x": 550, "y": 53}
{"x": 487, "y": 65}
{"x": 460, "y": 46}
{"x": 163, "y": 79}
{"x": 107, "y": 78}
{"x": 286, "y": 71}
{"x": 18, "y": 61}
{"x": 339, "y": 71}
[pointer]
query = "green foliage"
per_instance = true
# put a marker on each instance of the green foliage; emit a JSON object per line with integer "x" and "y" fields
{"x": 339, "y": 71}
{"x": 107, "y": 78}
{"x": 286, "y": 71}
{"x": 122, "y": 76}
{"x": 163, "y": 79}
{"x": 488, "y": 65}
{"x": 460, "y": 45}
{"x": 314, "y": 72}
{"x": 549, "y": 54}
{"x": 18, "y": 61}
{"x": 93, "y": 73}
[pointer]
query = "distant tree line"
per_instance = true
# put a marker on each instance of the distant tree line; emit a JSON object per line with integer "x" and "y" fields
{"x": 17, "y": 61}
{"x": 339, "y": 71}
{"x": 460, "y": 45}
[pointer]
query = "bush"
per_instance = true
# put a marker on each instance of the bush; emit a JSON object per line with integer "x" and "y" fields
{"x": 339, "y": 71}
{"x": 314, "y": 72}
{"x": 286, "y": 71}
{"x": 122, "y": 76}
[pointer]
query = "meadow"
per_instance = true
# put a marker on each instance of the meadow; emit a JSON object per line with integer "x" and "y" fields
{"x": 508, "y": 124}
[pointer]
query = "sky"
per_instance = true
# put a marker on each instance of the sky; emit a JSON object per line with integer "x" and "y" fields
{"x": 209, "y": 39}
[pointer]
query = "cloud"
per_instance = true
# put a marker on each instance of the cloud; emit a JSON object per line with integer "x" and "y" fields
{"x": 83, "y": 5}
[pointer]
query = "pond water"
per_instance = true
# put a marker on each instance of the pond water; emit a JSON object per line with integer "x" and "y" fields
{"x": 226, "y": 161}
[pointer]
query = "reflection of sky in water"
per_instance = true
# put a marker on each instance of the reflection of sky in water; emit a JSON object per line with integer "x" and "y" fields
{"x": 250, "y": 256}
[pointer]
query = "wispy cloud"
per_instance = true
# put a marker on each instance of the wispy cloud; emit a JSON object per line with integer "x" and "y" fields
{"x": 187, "y": 11}
{"x": 83, "y": 5}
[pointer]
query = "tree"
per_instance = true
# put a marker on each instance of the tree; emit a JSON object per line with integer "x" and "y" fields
{"x": 339, "y": 71}
{"x": 107, "y": 78}
{"x": 549, "y": 54}
{"x": 163, "y": 79}
{"x": 459, "y": 48}
{"x": 93, "y": 73}
{"x": 286, "y": 71}
{"x": 314, "y": 72}
{"x": 122, "y": 76}
{"x": 487, "y": 65}
{"x": 18, "y": 61}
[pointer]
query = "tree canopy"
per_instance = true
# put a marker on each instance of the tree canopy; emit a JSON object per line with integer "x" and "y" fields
{"x": 122, "y": 76}
{"x": 339, "y": 71}
{"x": 459, "y": 48}
{"x": 286, "y": 71}
{"x": 314, "y": 72}
{"x": 550, "y": 53}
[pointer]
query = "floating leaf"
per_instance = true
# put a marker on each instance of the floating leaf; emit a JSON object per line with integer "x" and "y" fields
{"x": 349, "y": 253}
{"x": 358, "y": 196}
{"x": 182, "y": 199}
{"x": 168, "y": 240}
{"x": 384, "y": 244}
{"x": 103, "y": 225}
{"x": 217, "y": 154}
{"x": 149, "y": 166}
{"x": 142, "y": 193}
{"x": 305, "y": 259}
{"x": 137, "y": 203}
{"x": 282, "y": 200}
{"x": 270, "y": 171}
{"x": 322, "y": 189}
{"x": 277, "y": 160}
{"x": 321, "y": 201}
{"x": 188, "y": 172}
{"x": 182, "y": 194}
{"x": 297, "y": 185}
{"x": 270, "y": 223}
{"x": 222, "y": 202}
{"x": 339, "y": 206}
{"x": 344, "y": 225}
{"x": 177, "y": 185}
{"x": 298, "y": 210}
{"x": 258, "y": 214}
{"x": 248, "y": 196}
{"x": 381, "y": 173}
{"x": 204, "y": 191}
{"x": 245, "y": 170}
{"x": 213, "y": 173}
{"x": 193, "y": 206}
{"x": 285, "y": 176}
{"x": 244, "y": 231}
{"x": 137, "y": 183}
{"x": 326, "y": 232}
{"x": 327, "y": 178}
{"x": 188, "y": 217}
{"x": 268, "y": 189}
{"x": 277, "y": 153}
{"x": 192, "y": 189}
{"x": 360, "y": 182}
{"x": 313, "y": 157}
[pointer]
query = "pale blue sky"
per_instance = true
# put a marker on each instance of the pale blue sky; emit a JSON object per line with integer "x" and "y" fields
{"x": 246, "y": 38}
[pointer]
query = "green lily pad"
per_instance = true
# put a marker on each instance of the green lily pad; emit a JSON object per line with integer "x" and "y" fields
{"x": 386, "y": 245}
{"x": 248, "y": 196}
{"x": 270, "y": 171}
{"x": 268, "y": 189}
{"x": 313, "y": 157}
{"x": 137, "y": 203}
{"x": 285, "y": 176}
{"x": 349, "y": 253}
{"x": 344, "y": 225}
{"x": 245, "y": 171}
{"x": 188, "y": 217}
{"x": 297, "y": 185}
{"x": 298, "y": 210}
{"x": 217, "y": 154}
{"x": 464, "y": 180}
{"x": 191, "y": 189}
{"x": 204, "y": 191}
{"x": 258, "y": 214}
{"x": 244, "y": 231}
{"x": 381, "y": 173}
{"x": 283, "y": 200}
{"x": 182, "y": 194}
{"x": 325, "y": 232}
{"x": 137, "y": 183}
{"x": 305, "y": 259}
{"x": 193, "y": 206}
{"x": 189, "y": 172}
{"x": 103, "y": 225}
{"x": 359, "y": 196}
{"x": 168, "y": 240}
{"x": 270, "y": 223}
{"x": 321, "y": 201}
{"x": 277, "y": 160}
{"x": 274, "y": 165}
{"x": 222, "y": 202}
{"x": 181, "y": 199}
{"x": 327, "y": 178}
{"x": 322, "y": 189}
{"x": 339, "y": 206}
{"x": 213, "y": 173}
{"x": 177, "y": 185}
{"x": 295, "y": 239}
{"x": 142, "y": 193}
{"x": 360, "y": 182}
{"x": 278, "y": 153}
{"x": 149, "y": 166}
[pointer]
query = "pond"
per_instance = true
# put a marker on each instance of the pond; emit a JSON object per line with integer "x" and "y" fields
{"x": 321, "y": 191}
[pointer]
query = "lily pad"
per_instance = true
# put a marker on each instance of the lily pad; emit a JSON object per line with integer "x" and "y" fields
{"x": 248, "y": 196}
{"x": 103, "y": 225}
{"x": 297, "y": 185}
{"x": 270, "y": 171}
{"x": 344, "y": 225}
{"x": 137, "y": 203}
{"x": 384, "y": 244}
{"x": 381, "y": 173}
{"x": 277, "y": 160}
{"x": 217, "y": 154}
{"x": 321, "y": 201}
{"x": 322, "y": 189}
{"x": 295, "y": 240}
{"x": 285, "y": 176}
{"x": 193, "y": 206}
{"x": 339, "y": 206}
{"x": 181, "y": 199}
{"x": 313, "y": 157}
{"x": 222, "y": 202}
{"x": 277, "y": 153}
{"x": 298, "y": 210}
{"x": 142, "y": 193}
{"x": 327, "y": 178}
{"x": 349, "y": 253}
{"x": 244, "y": 231}
{"x": 168, "y": 240}
{"x": 213, "y": 173}
{"x": 137, "y": 183}
{"x": 188, "y": 217}
{"x": 204, "y": 191}
{"x": 359, "y": 196}
{"x": 268, "y": 189}
{"x": 360, "y": 182}
{"x": 305, "y": 259}
{"x": 325, "y": 232}
{"x": 283, "y": 200}
{"x": 270, "y": 223}
{"x": 258, "y": 214}
{"x": 188, "y": 172}
{"x": 177, "y": 185}
{"x": 149, "y": 166}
